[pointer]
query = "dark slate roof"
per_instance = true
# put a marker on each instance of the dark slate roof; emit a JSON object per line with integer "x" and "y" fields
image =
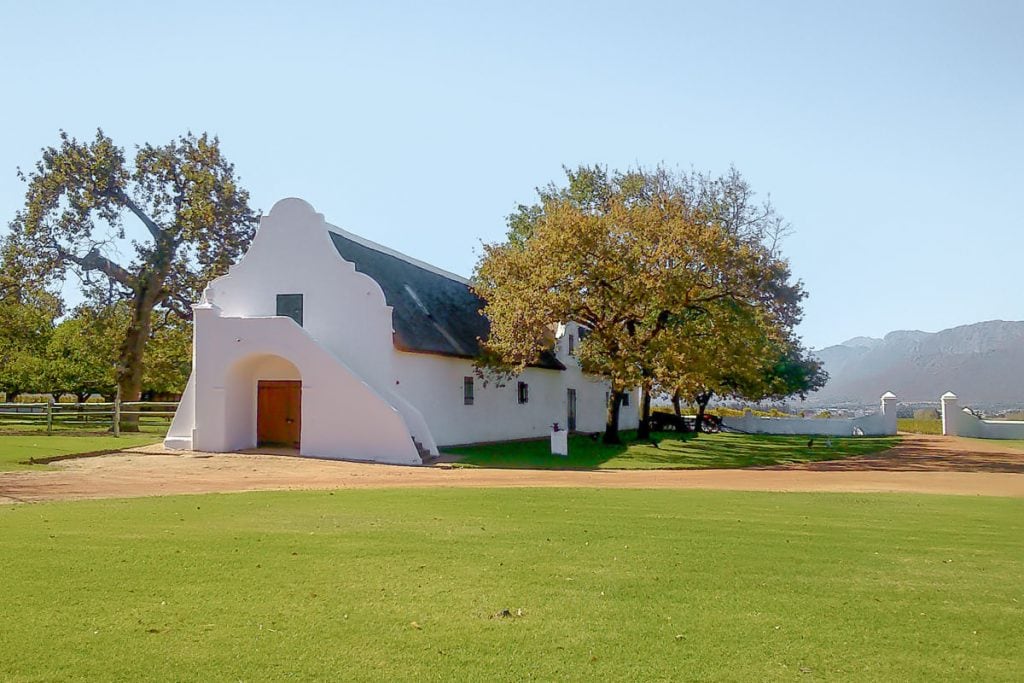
{"x": 432, "y": 312}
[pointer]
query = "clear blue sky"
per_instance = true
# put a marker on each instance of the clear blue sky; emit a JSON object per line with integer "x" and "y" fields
{"x": 890, "y": 134}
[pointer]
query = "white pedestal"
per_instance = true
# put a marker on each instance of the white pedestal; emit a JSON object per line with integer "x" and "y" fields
{"x": 559, "y": 442}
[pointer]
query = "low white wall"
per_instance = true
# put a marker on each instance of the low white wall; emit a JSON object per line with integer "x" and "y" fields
{"x": 882, "y": 423}
{"x": 958, "y": 421}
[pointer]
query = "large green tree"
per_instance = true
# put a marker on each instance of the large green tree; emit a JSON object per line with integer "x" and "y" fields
{"x": 82, "y": 352}
{"x": 195, "y": 221}
{"x": 632, "y": 256}
{"x": 742, "y": 354}
{"x": 27, "y": 317}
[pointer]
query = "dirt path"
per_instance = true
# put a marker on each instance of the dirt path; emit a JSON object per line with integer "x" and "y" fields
{"x": 921, "y": 464}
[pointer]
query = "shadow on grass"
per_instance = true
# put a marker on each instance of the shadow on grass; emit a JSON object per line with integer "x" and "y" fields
{"x": 669, "y": 450}
{"x": 919, "y": 453}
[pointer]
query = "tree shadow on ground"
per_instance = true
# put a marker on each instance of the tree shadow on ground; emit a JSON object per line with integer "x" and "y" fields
{"x": 667, "y": 450}
{"x": 919, "y": 453}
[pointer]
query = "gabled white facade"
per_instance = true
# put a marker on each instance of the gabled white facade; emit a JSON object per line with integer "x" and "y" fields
{"x": 361, "y": 397}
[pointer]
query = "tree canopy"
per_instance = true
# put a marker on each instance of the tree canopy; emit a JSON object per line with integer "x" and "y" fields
{"x": 27, "y": 316}
{"x": 194, "y": 216}
{"x": 644, "y": 259}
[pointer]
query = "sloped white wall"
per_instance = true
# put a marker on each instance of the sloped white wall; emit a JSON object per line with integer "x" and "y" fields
{"x": 958, "y": 421}
{"x": 179, "y": 435}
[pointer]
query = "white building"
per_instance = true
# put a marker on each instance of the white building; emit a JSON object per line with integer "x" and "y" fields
{"x": 324, "y": 341}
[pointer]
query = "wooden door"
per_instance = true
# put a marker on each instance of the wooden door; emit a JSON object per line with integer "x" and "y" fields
{"x": 571, "y": 400}
{"x": 278, "y": 413}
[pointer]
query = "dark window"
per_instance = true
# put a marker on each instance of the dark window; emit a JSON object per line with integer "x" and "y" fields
{"x": 524, "y": 392}
{"x": 290, "y": 305}
{"x": 467, "y": 391}
{"x": 572, "y": 345}
{"x": 570, "y": 395}
{"x": 625, "y": 398}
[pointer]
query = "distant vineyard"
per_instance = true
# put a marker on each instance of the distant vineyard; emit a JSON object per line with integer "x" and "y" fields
{"x": 919, "y": 426}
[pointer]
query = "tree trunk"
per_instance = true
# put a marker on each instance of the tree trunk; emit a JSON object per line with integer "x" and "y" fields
{"x": 676, "y": 405}
{"x": 702, "y": 404}
{"x": 133, "y": 347}
{"x": 611, "y": 428}
{"x": 643, "y": 431}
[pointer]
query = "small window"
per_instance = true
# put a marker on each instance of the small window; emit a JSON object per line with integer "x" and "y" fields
{"x": 524, "y": 392}
{"x": 572, "y": 345}
{"x": 290, "y": 305}
{"x": 467, "y": 391}
{"x": 625, "y": 398}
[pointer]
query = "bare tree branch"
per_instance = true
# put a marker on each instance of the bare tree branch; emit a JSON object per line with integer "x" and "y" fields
{"x": 155, "y": 230}
{"x": 94, "y": 260}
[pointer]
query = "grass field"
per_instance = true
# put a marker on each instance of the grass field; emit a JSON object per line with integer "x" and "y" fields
{"x": 674, "y": 451}
{"x": 915, "y": 426}
{"x": 16, "y": 449}
{"x": 514, "y": 585}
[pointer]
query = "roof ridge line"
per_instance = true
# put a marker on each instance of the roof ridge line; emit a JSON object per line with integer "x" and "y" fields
{"x": 370, "y": 244}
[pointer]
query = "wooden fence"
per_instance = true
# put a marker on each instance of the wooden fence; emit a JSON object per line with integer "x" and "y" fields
{"x": 54, "y": 417}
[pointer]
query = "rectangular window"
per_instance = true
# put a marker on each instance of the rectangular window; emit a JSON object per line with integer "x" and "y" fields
{"x": 625, "y": 398}
{"x": 524, "y": 392}
{"x": 572, "y": 345}
{"x": 467, "y": 391}
{"x": 290, "y": 305}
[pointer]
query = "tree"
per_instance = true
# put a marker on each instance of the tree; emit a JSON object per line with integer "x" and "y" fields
{"x": 184, "y": 194}
{"x": 81, "y": 355}
{"x": 27, "y": 315}
{"x": 83, "y": 350}
{"x": 169, "y": 361}
{"x": 743, "y": 356}
{"x": 631, "y": 256}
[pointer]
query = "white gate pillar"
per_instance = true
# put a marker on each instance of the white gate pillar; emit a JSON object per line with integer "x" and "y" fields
{"x": 889, "y": 411}
{"x": 950, "y": 408}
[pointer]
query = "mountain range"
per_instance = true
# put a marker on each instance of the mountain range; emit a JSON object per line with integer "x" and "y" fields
{"x": 983, "y": 364}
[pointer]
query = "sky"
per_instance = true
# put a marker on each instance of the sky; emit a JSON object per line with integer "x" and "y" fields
{"x": 889, "y": 134}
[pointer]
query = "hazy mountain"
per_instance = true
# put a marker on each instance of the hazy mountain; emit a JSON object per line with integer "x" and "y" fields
{"x": 981, "y": 363}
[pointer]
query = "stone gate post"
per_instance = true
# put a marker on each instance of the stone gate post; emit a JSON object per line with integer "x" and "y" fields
{"x": 950, "y": 408}
{"x": 889, "y": 411}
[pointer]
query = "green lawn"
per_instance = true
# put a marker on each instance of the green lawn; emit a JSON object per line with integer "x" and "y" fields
{"x": 674, "y": 451}
{"x": 514, "y": 584}
{"x": 16, "y": 449}
{"x": 915, "y": 426}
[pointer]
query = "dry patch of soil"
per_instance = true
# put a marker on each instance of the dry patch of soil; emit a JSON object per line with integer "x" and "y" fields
{"x": 921, "y": 464}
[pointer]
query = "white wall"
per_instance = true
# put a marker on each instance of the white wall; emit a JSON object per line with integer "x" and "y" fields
{"x": 179, "y": 434}
{"x": 961, "y": 422}
{"x": 343, "y": 309}
{"x": 882, "y": 423}
{"x": 434, "y": 385}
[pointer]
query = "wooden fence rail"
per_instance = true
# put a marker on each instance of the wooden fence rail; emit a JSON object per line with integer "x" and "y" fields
{"x": 90, "y": 415}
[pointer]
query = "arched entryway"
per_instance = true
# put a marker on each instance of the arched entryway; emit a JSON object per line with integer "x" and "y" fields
{"x": 264, "y": 402}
